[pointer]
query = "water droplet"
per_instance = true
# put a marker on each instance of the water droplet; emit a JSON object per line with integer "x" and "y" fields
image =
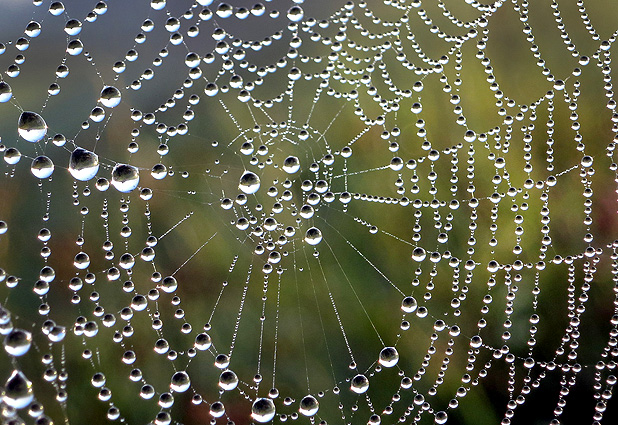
{"x": 295, "y": 13}
{"x": 359, "y": 384}
{"x": 12, "y": 156}
{"x": 83, "y": 165}
{"x": 82, "y": 261}
{"x": 203, "y": 341}
{"x": 33, "y": 29}
{"x": 217, "y": 409}
{"x": 228, "y": 380}
{"x": 73, "y": 27}
{"x": 110, "y": 97}
{"x": 313, "y": 236}
{"x": 31, "y": 126}
{"x": 180, "y": 382}
{"x": 291, "y": 165}
{"x": 75, "y": 47}
{"x": 5, "y": 92}
{"x": 587, "y": 161}
{"x": 409, "y": 305}
{"x": 42, "y": 167}
{"x": 388, "y": 357}
{"x": 476, "y": 341}
{"x": 18, "y": 342}
{"x": 125, "y": 178}
{"x": 418, "y": 254}
{"x": 249, "y": 183}
{"x": 441, "y": 418}
{"x": 263, "y": 410}
{"x": 18, "y": 390}
{"x": 159, "y": 171}
{"x": 309, "y": 406}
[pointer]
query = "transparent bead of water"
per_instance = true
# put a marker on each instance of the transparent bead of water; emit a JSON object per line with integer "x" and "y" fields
{"x": 18, "y": 390}
{"x": 309, "y": 406}
{"x": 291, "y": 165}
{"x": 419, "y": 254}
{"x": 42, "y": 167}
{"x": 203, "y": 341}
{"x": 127, "y": 261}
{"x": 228, "y": 380}
{"x": 73, "y": 27}
{"x": 75, "y": 47}
{"x": 110, "y": 97}
{"x": 249, "y": 183}
{"x": 31, "y": 126}
{"x": 180, "y": 382}
{"x": 17, "y": 342}
{"x": 159, "y": 171}
{"x": 217, "y": 409}
{"x": 295, "y": 14}
{"x": 263, "y": 410}
{"x": 12, "y": 156}
{"x": 409, "y": 305}
{"x": 57, "y": 333}
{"x": 33, "y": 29}
{"x": 222, "y": 361}
{"x": 441, "y": 418}
{"x": 313, "y": 236}
{"x": 388, "y": 357}
{"x": 83, "y": 165}
{"x": 476, "y": 341}
{"x": 359, "y": 384}
{"x": 81, "y": 261}
{"x": 125, "y": 178}
{"x": 5, "y": 92}
{"x": 3, "y": 229}
{"x": 56, "y": 8}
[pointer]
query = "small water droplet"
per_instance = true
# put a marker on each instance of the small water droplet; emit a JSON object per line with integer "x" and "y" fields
{"x": 228, "y": 380}
{"x": 313, "y": 236}
{"x": 180, "y": 382}
{"x": 17, "y": 342}
{"x": 83, "y": 165}
{"x": 389, "y": 357}
{"x": 309, "y": 406}
{"x": 291, "y": 165}
{"x": 110, "y": 97}
{"x": 18, "y": 390}
{"x": 359, "y": 384}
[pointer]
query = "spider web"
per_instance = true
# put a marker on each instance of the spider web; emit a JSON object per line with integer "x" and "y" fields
{"x": 241, "y": 213}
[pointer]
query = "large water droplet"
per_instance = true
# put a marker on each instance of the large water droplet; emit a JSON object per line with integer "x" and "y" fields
{"x": 441, "y": 418}
{"x": 291, "y": 165}
{"x": 409, "y": 304}
{"x": 110, "y": 97}
{"x": 17, "y": 342}
{"x": 12, "y": 156}
{"x": 228, "y": 380}
{"x": 309, "y": 406}
{"x": 418, "y": 254}
{"x": 180, "y": 382}
{"x": 359, "y": 384}
{"x": 125, "y": 178}
{"x": 83, "y": 165}
{"x": 31, "y": 126}
{"x": 388, "y": 357}
{"x": 18, "y": 390}
{"x": 313, "y": 236}
{"x": 263, "y": 410}
{"x": 81, "y": 261}
{"x": 249, "y": 183}
{"x": 295, "y": 13}
{"x": 42, "y": 167}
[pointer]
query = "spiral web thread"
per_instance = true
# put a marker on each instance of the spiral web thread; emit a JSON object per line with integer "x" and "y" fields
{"x": 240, "y": 213}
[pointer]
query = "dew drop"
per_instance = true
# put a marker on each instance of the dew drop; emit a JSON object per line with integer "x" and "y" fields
{"x": 180, "y": 382}
{"x": 295, "y": 13}
{"x": 5, "y": 92}
{"x": 12, "y": 156}
{"x": 31, "y": 126}
{"x": 18, "y": 390}
{"x": 110, "y": 97}
{"x": 83, "y": 165}
{"x": 409, "y": 305}
{"x": 17, "y": 342}
{"x": 388, "y": 357}
{"x": 81, "y": 261}
{"x": 249, "y": 183}
{"x": 441, "y": 418}
{"x": 228, "y": 380}
{"x": 359, "y": 384}
{"x": 217, "y": 409}
{"x": 42, "y": 167}
{"x": 125, "y": 178}
{"x": 419, "y": 254}
{"x": 291, "y": 165}
{"x": 263, "y": 410}
{"x": 309, "y": 406}
{"x": 313, "y": 236}
{"x": 587, "y": 161}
